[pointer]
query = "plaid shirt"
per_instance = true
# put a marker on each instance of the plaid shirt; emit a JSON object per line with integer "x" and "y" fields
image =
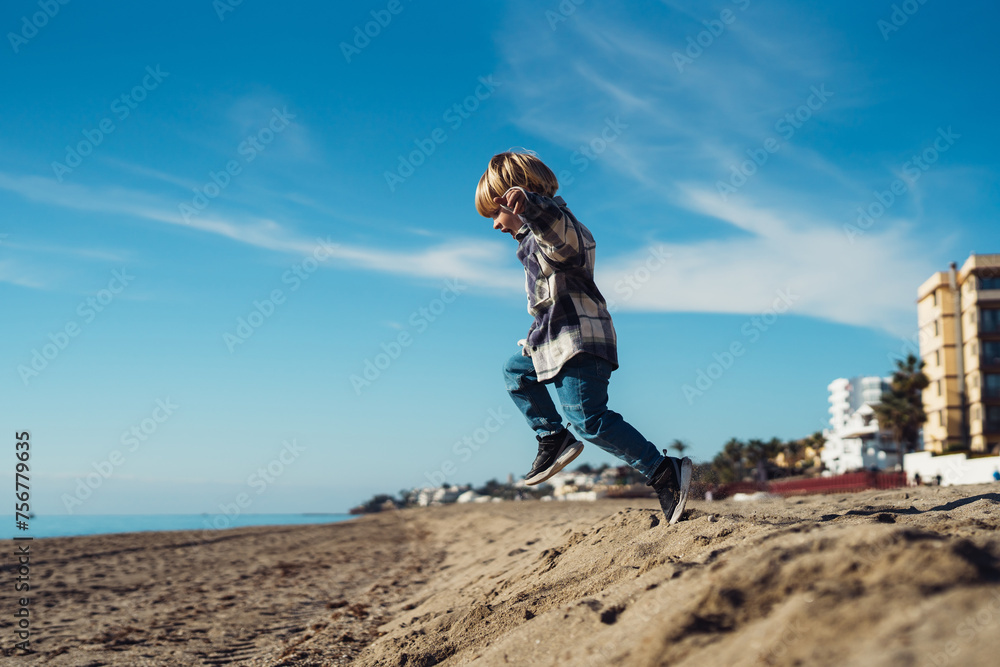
{"x": 570, "y": 313}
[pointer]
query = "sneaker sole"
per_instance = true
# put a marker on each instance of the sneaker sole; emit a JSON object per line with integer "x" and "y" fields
{"x": 686, "y": 470}
{"x": 564, "y": 459}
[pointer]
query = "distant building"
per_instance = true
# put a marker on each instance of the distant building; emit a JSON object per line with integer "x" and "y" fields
{"x": 566, "y": 482}
{"x": 958, "y": 312}
{"x": 854, "y": 439}
{"x": 471, "y": 496}
{"x": 849, "y": 394}
{"x": 439, "y": 495}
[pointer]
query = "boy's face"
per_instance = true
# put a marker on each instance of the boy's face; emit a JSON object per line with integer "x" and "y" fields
{"x": 506, "y": 222}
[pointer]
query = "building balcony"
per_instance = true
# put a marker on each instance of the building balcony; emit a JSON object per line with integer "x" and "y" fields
{"x": 859, "y": 430}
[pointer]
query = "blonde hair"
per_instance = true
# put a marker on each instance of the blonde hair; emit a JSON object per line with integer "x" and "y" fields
{"x": 511, "y": 169}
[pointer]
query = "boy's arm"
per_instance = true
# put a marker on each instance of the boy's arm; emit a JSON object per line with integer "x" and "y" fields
{"x": 556, "y": 234}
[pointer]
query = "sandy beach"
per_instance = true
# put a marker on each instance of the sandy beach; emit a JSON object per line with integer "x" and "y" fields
{"x": 902, "y": 577}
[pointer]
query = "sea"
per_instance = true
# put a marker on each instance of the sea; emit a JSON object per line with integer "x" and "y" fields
{"x": 68, "y": 525}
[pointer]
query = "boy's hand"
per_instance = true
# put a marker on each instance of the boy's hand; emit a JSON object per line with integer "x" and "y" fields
{"x": 514, "y": 200}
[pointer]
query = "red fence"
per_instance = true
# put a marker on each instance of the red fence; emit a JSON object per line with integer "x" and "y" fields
{"x": 853, "y": 481}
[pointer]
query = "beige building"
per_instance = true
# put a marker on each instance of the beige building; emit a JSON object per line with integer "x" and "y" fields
{"x": 958, "y": 312}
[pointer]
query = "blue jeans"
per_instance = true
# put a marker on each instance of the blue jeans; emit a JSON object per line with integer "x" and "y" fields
{"x": 582, "y": 388}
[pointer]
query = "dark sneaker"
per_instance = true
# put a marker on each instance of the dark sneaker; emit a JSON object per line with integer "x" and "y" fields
{"x": 671, "y": 481}
{"x": 555, "y": 452}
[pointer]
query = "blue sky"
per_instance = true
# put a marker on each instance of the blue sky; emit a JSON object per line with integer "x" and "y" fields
{"x": 166, "y": 173}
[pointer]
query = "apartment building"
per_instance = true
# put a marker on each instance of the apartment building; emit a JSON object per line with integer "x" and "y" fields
{"x": 849, "y": 394}
{"x": 854, "y": 440}
{"x": 958, "y": 312}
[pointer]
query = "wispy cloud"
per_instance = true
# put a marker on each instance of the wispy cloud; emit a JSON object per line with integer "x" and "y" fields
{"x": 94, "y": 254}
{"x": 154, "y": 174}
{"x": 250, "y": 113}
{"x": 687, "y": 129}
{"x": 870, "y": 283}
{"x": 17, "y": 273}
{"x": 477, "y": 262}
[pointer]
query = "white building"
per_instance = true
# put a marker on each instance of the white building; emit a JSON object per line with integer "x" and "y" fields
{"x": 571, "y": 485}
{"x": 566, "y": 482}
{"x": 951, "y": 468}
{"x": 469, "y": 496}
{"x": 854, "y": 439}
{"x": 439, "y": 495}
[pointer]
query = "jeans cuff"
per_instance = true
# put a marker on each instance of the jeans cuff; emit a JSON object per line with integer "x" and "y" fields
{"x": 654, "y": 467}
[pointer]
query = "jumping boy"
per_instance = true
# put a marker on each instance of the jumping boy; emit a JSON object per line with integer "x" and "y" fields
{"x": 571, "y": 343}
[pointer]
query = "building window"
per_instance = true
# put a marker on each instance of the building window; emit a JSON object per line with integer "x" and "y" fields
{"x": 991, "y": 282}
{"x": 992, "y": 419}
{"x": 934, "y": 298}
{"x": 937, "y": 357}
{"x": 991, "y": 320}
{"x": 991, "y": 385}
{"x": 938, "y": 387}
{"x": 991, "y": 353}
{"x": 937, "y": 327}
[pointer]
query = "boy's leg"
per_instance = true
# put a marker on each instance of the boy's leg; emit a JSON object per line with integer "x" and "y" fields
{"x": 556, "y": 445}
{"x": 530, "y": 396}
{"x": 582, "y": 386}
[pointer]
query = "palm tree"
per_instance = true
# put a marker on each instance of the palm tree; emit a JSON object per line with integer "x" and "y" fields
{"x": 795, "y": 450}
{"x": 729, "y": 462}
{"x": 792, "y": 450}
{"x": 774, "y": 446}
{"x": 814, "y": 442}
{"x": 760, "y": 452}
{"x": 679, "y": 446}
{"x": 902, "y": 408}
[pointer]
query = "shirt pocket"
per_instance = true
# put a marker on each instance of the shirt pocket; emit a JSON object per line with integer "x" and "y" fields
{"x": 539, "y": 288}
{"x": 543, "y": 294}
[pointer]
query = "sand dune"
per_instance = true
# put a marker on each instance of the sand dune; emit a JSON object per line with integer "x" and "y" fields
{"x": 880, "y": 578}
{"x": 906, "y": 577}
